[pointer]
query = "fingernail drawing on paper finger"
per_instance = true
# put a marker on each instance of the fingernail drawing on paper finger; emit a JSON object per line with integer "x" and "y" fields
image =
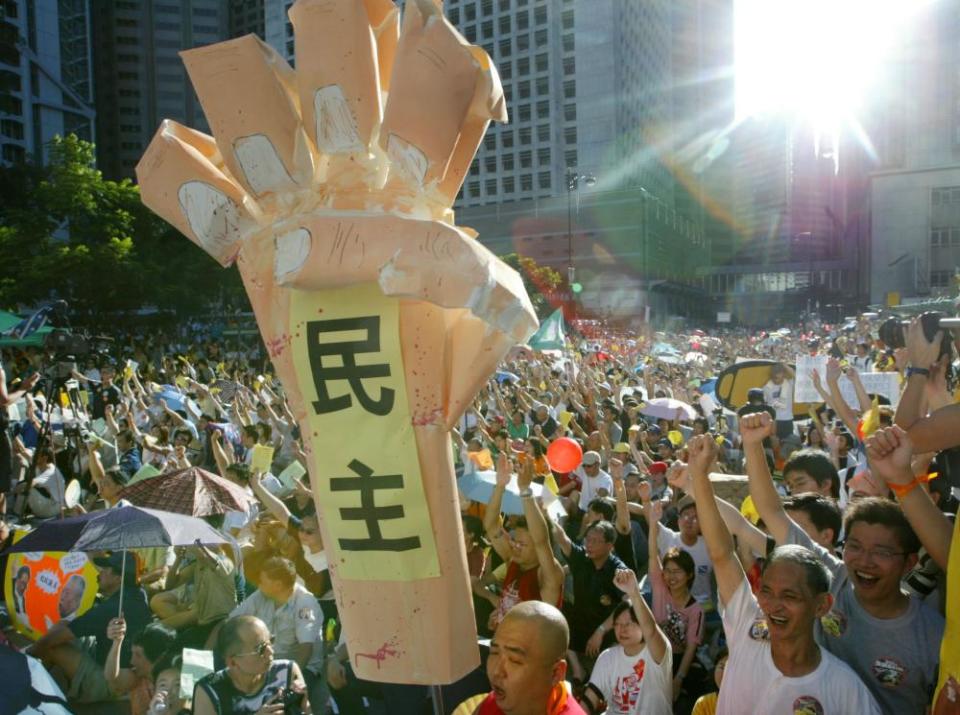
{"x": 336, "y": 126}
{"x": 213, "y": 217}
{"x": 262, "y": 166}
{"x": 292, "y": 250}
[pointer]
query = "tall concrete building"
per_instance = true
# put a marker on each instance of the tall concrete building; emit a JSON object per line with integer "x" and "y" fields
{"x": 247, "y": 17}
{"x": 140, "y": 78}
{"x": 795, "y": 225}
{"x": 277, "y": 28}
{"x": 591, "y": 87}
{"x": 915, "y": 191}
{"x": 46, "y": 81}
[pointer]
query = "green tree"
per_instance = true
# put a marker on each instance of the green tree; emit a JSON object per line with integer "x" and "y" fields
{"x": 68, "y": 232}
{"x": 538, "y": 280}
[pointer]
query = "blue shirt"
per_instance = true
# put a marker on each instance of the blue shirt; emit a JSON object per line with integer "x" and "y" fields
{"x": 130, "y": 462}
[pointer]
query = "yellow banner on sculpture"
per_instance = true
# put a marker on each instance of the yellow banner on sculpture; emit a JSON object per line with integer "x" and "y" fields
{"x": 364, "y": 465}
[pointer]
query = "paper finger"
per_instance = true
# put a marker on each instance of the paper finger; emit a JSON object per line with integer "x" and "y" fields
{"x": 247, "y": 94}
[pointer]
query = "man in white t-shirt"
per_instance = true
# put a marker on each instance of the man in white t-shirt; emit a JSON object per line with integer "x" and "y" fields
{"x": 689, "y": 539}
{"x": 891, "y": 640}
{"x": 594, "y": 482}
{"x": 778, "y": 393}
{"x": 775, "y": 662}
{"x": 46, "y": 495}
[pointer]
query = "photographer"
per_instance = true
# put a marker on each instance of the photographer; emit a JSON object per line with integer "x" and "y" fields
{"x": 46, "y": 495}
{"x": 6, "y": 452}
{"x": 252, "y": 683}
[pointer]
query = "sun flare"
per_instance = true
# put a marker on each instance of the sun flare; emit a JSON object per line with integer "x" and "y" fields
{"x": 814, "y": 60}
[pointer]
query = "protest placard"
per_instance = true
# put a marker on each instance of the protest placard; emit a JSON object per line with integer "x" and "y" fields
{"x": 803, "y": 390}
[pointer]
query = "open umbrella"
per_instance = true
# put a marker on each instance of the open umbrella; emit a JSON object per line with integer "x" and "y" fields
{"x": 192, "y": 491}
{"x": 478, "y": 487}
{"x": 117, "y": 529}
{"x": 665, "y": 408}
{"x": 176, "y": 400}
{"x": 664, "y": 349}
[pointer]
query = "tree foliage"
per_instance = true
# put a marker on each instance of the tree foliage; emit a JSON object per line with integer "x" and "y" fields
{"x": 538, "y": 280}
{"x": 66, "y": 232}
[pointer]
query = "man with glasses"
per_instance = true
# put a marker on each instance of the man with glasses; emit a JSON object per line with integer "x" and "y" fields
{"x": 776, "y": 664}
{"x": 892, "y": 640}
{"x": 592, "y": 566}
{"x": 293, "y": 617}
{"x": 252, "y": 681}
{"x": 688, "y": 539}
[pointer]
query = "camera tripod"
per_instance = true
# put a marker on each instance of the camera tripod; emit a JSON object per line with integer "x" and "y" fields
{"x": 55, "y": 383}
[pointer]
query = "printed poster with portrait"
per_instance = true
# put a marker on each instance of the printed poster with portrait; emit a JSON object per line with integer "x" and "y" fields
{"x": 42, "y": 588}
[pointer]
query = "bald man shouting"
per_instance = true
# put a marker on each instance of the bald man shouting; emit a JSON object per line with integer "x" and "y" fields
{"x": 527, "y": 664}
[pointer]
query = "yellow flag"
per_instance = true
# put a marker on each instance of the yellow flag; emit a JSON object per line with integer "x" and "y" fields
{"x": 948, "y": 690}
{"x": 550, "y": 483}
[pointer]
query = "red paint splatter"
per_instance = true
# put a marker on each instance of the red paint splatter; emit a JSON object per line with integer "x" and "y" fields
{"x": 388, "y": 649}
{"x": 277, "y": 345}
{"x": 434, "y": 416}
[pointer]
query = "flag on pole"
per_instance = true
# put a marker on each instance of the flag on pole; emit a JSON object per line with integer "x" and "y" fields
{"x": 550, "y": 335}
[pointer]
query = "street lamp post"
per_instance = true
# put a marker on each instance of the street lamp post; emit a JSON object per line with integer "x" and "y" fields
{"x": 573, "y": 184}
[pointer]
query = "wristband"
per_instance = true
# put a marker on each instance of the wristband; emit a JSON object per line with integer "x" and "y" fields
{"x": 601, "y": 629}
{"x": 911, "y": 371}
{"x": 525, "y": 493}
{"x": 901, "y": 490}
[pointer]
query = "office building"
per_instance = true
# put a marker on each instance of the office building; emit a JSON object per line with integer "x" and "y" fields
{"x": 590, "y": 87}
{"x": 277, "y": 28}
{"x": 247, "y": 17}
{"x": 46, "y": 80}
{"x": 140, "y": 78}
{"x": 915, "y": 189}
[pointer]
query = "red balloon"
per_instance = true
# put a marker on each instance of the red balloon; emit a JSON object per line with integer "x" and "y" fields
{"x": 564, "y": 455}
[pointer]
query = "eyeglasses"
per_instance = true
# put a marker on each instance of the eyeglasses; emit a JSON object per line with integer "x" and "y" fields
{"x": 880, "y": 554}
{"x": 260, "y": 651}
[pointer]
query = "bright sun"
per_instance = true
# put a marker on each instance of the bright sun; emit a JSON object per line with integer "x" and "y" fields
{"x": 816, "y": 60}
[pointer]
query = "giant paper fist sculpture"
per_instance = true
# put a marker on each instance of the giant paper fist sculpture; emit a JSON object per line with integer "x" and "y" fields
{"x": 331, "y": 188}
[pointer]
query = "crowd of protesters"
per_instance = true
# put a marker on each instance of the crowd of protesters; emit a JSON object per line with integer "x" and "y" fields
{"x": 703, "y": 559}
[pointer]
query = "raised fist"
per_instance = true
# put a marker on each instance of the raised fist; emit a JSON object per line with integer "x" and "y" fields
{"x": 890, "y": 453}
{"x": 331, "y": 188}
{"x": 703, "y": 453}
{"x": 625, "y": 580}
{"x": 755, "y": 428}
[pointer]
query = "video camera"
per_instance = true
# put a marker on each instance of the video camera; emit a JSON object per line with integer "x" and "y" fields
{"x": 892, "y": 331}
{"x": 66, "y": 347}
